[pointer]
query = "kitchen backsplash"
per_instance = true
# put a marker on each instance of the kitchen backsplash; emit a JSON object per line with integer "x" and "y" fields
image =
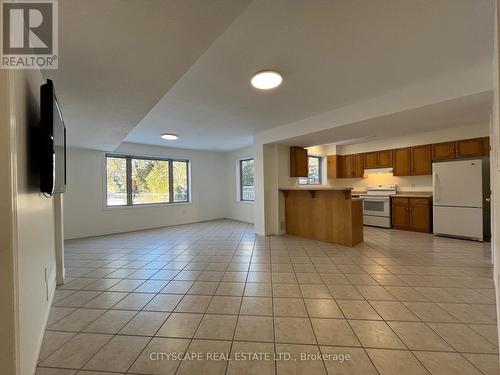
{"x": 410, "y": 183}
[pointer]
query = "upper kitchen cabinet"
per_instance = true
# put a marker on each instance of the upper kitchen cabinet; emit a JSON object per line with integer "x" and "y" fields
{"x": 421, "y": 163}
{"x": 385, "y": 159}
{"x": 378, "y": 159}
{"x": 350, "y": 166}
{"x": 471, "y": 148}
{"x": 412, "y": 161}
{"x": 334, "y": 166}
{"x": 298, "y": 162}
{"x": 443, "y": 151}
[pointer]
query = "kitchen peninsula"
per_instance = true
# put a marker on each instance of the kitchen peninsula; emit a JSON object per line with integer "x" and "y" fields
{"x": 325, "y": 214}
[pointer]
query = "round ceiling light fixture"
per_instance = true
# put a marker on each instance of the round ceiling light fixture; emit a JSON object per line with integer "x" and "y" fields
{"x": 169, "y": 136}
{"x": 266, "y": 80}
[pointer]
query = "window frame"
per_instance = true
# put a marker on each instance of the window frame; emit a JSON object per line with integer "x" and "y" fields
{"x": 320, "y": 170}
{"x": 240, "y": 170}
{"x": 128, "y": 179}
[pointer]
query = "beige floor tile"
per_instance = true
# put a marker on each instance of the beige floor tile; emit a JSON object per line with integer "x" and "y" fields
{"x": 446, "y": 363}
{"x": 315, "y": 291}
{"x": 52, "y": 341}
{"x": 230, "y": 289}
{"x": 106, "y": 300}
{"x": 358, "y": 310}
{"x": 204, "y": 288}
{"x": 393, "y": 310}
{"x": 347, "y": 361}
{"x": 437, "y": 294}
{"x": 376, "y": 334}
{"x": 77, "y": 320}
{"x": 467, "y": 313}
{"x": 254, "y": 328}
{"x": 224, "y": 305}
{"x": 78, "y": 299}
{"x": 406, "y": 293}
{"x": 126, "y": 285}
{"x": 258, "y": 290}
{"x": 149, "y": 362}
{"x": 194, "y": 304}
{"x": 211, "y": 363}
{"x": 396, "y": 362}
{"x": 102, "y": 284}
{"x": 375, "y": 293}
{"x": 77, "y": 351}
{"x": 286, "y": 291}
{"x": 57, "y": 313}
{"x": 430, "y": 312}
{"x": 283, "y": 278}
{"x": 134, "y": 301}
{"x": 462, "y": 338}
{"x": 118, "y": 354}
{"x": 182, "y": 325}
{"x": 293, "y": 331}
{"x": 54, "y": 371}
{"x": 257, "y": 306}
{"x": 418, "y": 336}
{"x": 308, "y": 278}
{"x": 145, "y": 323}
{"x": 487, "y": 363}
{"x": 345, "y": 292}
{"x": 293, "y": 307}
{"x": 488, "y": 331}
{"x": 217, "y": 327}
{"x": 251, "y": 358}
{"x": 361, "y": 279}
{"x": 177, "y": 287}
{"x": 165, "y": 302}
{"x": 334, "y": 332}
{"x": 323, "y": 308}
{"x": 110, "y": 322}
{"x": 300, "y": 363}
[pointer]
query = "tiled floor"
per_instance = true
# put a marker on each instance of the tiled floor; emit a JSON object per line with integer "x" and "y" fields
{"x": 401, "y": 303}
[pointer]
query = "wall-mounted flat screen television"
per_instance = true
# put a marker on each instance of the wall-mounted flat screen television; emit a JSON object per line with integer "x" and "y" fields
{"x": 53, "y": 147}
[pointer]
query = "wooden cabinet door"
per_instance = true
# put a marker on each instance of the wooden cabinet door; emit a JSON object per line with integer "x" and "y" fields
{"x": 421, "y": 163}
{"x": 298, "y": 162}
{"x": 334, "y": 166}
{"x": 400, "y": 215}
{"x": 347, "y": 166}
{"x": 370, "y": 159}
{"x": 420, "y": 217}
{"x": 443, "y": 151}
{"x": 358, "y": 165}
{"x": 385, "y": 159}
{"x": 402, "y": 162}
{"x": 469, "y": 148}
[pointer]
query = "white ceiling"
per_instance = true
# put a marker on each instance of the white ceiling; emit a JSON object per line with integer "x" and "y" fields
{"x": 468, "y": 110}
{"x": 191, "y": 61}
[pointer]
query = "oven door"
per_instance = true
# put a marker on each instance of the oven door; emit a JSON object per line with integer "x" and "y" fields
{"x": 376, "y": 206}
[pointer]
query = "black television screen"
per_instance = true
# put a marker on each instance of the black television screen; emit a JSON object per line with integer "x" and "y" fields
{"x": 53, "y": 147}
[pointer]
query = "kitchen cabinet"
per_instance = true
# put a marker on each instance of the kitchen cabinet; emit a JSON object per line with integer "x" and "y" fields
{"x": 421, "y": 163}
{"x": 443, "y": 151}
{"x": 402, "y": 162}
{"x": 377, "y": 159}
{"x": 351, "y": 166}
{"x": 334, "y": 166}
{"x": 298, "y": 162}
{"x": 470, "y": 148}
{"x": 412, "y": 214}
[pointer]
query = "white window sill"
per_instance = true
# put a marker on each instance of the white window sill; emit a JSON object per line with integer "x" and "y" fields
{"x": 149, "y": 205}
{"x": 246, "y": 202}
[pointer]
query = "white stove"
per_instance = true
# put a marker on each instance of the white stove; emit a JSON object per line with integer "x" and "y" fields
{"x": 377, "y": 205}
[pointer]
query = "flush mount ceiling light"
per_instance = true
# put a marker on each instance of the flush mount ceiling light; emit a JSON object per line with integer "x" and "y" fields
{"x": 266, "y": 80}
{"x": 170, "y": 136}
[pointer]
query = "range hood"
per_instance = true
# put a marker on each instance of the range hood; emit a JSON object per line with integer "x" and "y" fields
{"x": 377, "y": 170}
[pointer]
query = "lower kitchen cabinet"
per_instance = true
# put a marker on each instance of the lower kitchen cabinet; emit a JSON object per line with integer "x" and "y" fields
{"x": 410, "y": 213}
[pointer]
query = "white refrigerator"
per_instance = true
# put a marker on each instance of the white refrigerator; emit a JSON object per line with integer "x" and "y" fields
{"x": 458, "y": 197}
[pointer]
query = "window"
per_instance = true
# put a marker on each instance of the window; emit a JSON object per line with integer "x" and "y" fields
{"x": 246, "y": 180}
{"x": 314, "y": 171}
{"x": 134, "y": 181}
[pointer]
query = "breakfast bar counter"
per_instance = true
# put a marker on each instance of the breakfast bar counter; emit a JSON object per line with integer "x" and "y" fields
{"x": 324, "y": 214}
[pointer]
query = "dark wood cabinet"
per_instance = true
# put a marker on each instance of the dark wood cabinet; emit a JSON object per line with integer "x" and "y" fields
{"x": 370, "y": 159}
{"x": 334, "y": 166}
{"x": 412, "y": 213}
{"x": 349, "y": 166}
{"x": 358, "y": 165}
{"x": 470, "y": 148}
{"x": 421, "y": 163}
{"x": 384, "y": 159}
{"x": 443, "y": 151}
{"x": 298, "y": 162}
{"x": 402, "y": 162}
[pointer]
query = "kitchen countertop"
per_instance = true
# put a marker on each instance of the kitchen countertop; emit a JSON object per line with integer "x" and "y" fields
{"x": 413, "y": 194}
{"x": 309, "y": 188}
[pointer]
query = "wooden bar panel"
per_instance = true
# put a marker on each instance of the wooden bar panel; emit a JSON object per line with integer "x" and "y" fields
{"x": 326, "y": 215}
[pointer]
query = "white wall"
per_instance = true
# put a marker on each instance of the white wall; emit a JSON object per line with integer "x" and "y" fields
{"x": 85, "y": 213}
{"x": 236, "y": 209}
{"x": 32, "y": 222}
